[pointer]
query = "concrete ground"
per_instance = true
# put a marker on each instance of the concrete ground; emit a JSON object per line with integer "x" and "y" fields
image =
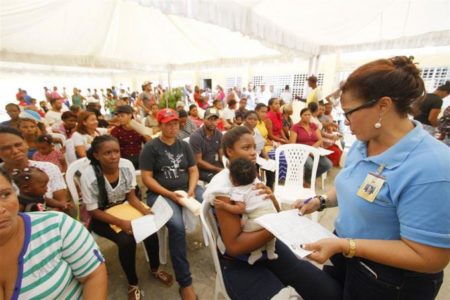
{"x": 202, "y": 267}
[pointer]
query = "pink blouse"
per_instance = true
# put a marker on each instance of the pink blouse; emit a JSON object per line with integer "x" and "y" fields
{"x": 305, "y": 137}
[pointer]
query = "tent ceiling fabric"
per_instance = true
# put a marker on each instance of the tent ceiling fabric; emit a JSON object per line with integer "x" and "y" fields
{"x": 149, "y": 34}
{"x": 116, "y": 34}
{"x": 323, "y": 26}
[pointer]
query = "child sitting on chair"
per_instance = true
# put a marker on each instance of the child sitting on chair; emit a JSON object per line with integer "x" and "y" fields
{"x": 46, "y": 152}
{"x": 248, "y": 203}
{"x": 32, "y": 183}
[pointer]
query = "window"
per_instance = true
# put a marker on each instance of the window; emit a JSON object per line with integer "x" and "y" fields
{"x": 231, "y": 82}
{"x": 297, "y": 83}
{"x": 435, "y": 77}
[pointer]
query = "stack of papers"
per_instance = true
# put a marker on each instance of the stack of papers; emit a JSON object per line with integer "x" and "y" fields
{"x": 324, "y": 152}
{"x": 124, "y": 211}
{"x": 143, "y": 226}
{"x": 190, "y": 203}
{"x": 294, "y": 230}
{"x": 147, "y": 225}
{"x": 266, "y": 164}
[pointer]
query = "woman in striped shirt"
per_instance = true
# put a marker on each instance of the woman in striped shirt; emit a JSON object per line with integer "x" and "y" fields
{"x": 42, "y": 255}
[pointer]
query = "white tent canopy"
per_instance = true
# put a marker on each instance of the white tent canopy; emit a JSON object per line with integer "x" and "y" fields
{"x": 166, "y": 34}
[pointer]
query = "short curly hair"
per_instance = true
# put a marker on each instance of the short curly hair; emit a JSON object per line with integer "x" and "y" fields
{"x": 242, "y": 171}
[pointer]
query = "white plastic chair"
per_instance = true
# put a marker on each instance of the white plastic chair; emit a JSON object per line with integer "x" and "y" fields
{"x": 324, "y": 177}
{"x": 60, "y": 136}
{"x": 81, "y": 164}
{"x": 296, "y": 156}
{"x": 70, "y": 154}
{"x": 210, "y": 233}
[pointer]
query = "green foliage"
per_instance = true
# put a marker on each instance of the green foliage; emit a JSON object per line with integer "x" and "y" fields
{"x": 172, "y": 97}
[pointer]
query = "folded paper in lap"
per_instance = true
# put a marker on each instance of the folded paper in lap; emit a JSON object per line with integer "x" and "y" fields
{"x": 266, "y": 164}
{"x": 124, "y": 211}
{"x": 324, "y": 152}
{"x": 143, "y": 226}
{"x": 190, "y": 203}
{"x": 147, "y": 225}
{"x": 294, "y": 230}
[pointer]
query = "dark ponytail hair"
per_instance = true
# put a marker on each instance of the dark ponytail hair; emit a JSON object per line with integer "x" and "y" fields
{"x": 95, "y": 147}
{"x": 397, "y": 77}
{"x": 45, "y": 138}
{"x": 232, "y": 136}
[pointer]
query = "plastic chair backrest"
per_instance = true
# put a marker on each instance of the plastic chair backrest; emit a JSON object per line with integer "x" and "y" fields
{"x": 296, "y": 156}
{"x": 225, "y": 161}
{"x": 211, "y": 231}
{"x": 70, "y": 154}
{"x": 70, "y": 177}
{"x": 60, "y": 136}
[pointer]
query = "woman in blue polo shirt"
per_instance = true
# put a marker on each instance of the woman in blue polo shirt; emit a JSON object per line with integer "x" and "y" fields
{"x": 394, "y": 211}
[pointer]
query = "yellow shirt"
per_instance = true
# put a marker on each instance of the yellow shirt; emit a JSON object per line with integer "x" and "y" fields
{"x": 261, "y": 127}
{"x": 314, "y": 96}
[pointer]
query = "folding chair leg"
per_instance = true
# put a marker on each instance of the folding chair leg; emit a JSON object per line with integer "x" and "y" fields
{"x": 163, "y": 245}
{"x": 324, "y": 177}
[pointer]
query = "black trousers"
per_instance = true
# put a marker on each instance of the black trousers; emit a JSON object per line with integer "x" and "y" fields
{"x": 368, "y": 280}
{"x": 127, "y": 248}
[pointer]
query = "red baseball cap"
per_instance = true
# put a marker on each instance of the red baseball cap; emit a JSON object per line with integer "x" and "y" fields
{"x": 166, "y": 115}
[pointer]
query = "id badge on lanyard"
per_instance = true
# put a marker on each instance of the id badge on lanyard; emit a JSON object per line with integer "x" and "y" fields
{"x": 372, "y": 185}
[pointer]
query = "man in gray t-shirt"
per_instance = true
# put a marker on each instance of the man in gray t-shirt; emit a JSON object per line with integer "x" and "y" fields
{"x": 205, "y": 143}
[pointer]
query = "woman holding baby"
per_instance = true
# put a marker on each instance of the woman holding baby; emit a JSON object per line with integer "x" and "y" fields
{"x": 265, "y": 277}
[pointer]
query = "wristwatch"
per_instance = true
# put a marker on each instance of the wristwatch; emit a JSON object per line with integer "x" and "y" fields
{"x": 323, "y": 202}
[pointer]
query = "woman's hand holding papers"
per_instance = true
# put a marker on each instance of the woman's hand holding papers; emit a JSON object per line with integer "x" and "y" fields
{"x": 176, "y": 197}
{"x": 125, "y": 225}
{"x": 325, "y": 248}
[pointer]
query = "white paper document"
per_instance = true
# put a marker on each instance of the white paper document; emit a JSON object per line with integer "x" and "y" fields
{"x": 266, "y": 164}
{"x": 294, "y": 230}
{"x": 190, "y": 203}
{"x": 324, "y": 152}
{"x": 147, "y": 225}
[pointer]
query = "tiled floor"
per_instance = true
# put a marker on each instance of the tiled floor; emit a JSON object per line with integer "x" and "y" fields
{"x": 202, "y": 267}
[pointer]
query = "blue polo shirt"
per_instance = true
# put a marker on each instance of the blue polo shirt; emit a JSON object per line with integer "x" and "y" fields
{"x": 414, "y": 202}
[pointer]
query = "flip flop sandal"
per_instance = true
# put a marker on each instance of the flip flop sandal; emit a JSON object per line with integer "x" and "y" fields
{"x": 164, "y": 277}
{"x": 134, "y": 292}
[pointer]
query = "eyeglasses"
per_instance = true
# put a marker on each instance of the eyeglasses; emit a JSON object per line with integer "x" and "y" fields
{"x": 365, "y": 105}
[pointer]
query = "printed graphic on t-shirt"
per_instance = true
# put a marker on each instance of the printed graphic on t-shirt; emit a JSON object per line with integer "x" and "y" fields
{"x": 172, "y": 172}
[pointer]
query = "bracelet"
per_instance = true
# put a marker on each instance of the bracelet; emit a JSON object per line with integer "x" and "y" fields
{"x": 351, "y": 248}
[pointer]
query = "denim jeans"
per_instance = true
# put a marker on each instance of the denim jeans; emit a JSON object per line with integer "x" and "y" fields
{"x": 266, "y": 278}
{"x": 364, "y": 279}
{"x": 177, "y": 238}
{"x": 324, "y": 165}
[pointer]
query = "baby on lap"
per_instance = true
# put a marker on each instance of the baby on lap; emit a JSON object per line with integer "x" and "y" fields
{"x": 247, "y": 202}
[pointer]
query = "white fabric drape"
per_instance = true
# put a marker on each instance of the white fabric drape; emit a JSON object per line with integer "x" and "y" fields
{"x": 115, "y": 34}
{"x": 169, "y": 34}
{"x": 322, "y": 26}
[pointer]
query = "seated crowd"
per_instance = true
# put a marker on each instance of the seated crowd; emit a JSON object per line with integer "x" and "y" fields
{"x": 189, "y": 149}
